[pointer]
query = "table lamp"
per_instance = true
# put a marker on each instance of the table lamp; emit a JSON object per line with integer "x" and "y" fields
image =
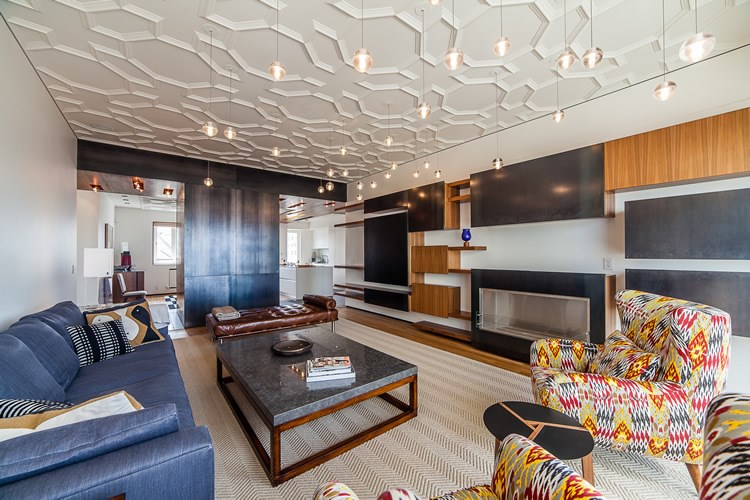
{"x": 99, "y": 263}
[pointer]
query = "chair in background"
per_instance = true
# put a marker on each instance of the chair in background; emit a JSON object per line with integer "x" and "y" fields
{"x": 129, "y": 296}
{"x": 647, "y": 389}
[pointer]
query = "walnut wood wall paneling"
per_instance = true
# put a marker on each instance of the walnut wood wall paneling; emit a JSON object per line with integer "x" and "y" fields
{"x": 231, "y": 250}
{"x": 392, "y": 300}
{"x": 107, "y": 158}
{"x": 567, "y": 185}
{"x": 415, "y": 240}
{"x": 434, "y": 259}
{"x": 727, "y": 291}
{"x": 714, "y": 146}
{"x": 698, "y": 226}
{"x": 387, "y": 250}
{"x": 386, "y": 202}
{"x": 437, "y": 300}
{"x": 427, "y": 207}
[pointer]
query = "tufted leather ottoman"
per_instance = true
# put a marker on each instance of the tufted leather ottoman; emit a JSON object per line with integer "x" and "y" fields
{"x": 314, "y": 309}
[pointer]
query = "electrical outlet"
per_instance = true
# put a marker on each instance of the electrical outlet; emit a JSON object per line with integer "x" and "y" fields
{"x": 608, "y": 263}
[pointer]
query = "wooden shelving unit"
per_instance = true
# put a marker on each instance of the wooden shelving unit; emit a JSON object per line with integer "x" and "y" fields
{"x": 348, "y": 286}
{"x": 350, "y": 224}
{"x": 350, "y": 208}
{"x": 459, "y": 271}
{"x": 436, "y": 300}
{"x": 445, "y": 331}
{"x": 453, "y": 200}
{"x": 460, "y": 315}
{"x": 468, "y": 249}
{"x": 352, "y": 294}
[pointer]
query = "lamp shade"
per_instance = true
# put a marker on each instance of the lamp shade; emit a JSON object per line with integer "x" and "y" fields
{"x": 98, "y": 262}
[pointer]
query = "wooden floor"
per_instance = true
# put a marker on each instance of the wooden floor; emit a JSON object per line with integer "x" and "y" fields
{"x": 406, "y": 330}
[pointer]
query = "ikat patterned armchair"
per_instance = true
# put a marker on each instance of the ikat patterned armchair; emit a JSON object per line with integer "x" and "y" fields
{"x": 647, "y": 389}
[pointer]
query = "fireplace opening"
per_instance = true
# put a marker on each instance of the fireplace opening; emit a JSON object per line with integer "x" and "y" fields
{"x": 533, "y": 316}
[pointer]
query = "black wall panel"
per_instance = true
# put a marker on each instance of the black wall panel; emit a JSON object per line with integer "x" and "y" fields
{"x": 386, "y": 202}
{"x": 725, "y": 290}
{"x": 567, "y": 185}
{"x": 697, "y": 226}
{"x": 393, "y": 300}
{"x": 387, "y": 250}
{"x": 427, "y": 207}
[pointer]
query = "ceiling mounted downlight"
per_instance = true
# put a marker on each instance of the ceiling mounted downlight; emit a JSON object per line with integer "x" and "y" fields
{"x": 423, "y": 110}
{"x": 697, "y": 46}
{"x": 276, "y": 70}
{"x": 567, "y": 58}
{"x": 362, "y": 60}
{"x": 665, "y": 89}
{"x": 594, "y": 55}
{"x": 502, "y": 44}
{"x": 209, "y": 128}
{"x": 454, "y": 57}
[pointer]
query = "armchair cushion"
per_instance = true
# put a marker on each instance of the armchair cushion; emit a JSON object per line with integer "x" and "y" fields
{"x": 622, "y": 358}
{"x": 563, "y": 354}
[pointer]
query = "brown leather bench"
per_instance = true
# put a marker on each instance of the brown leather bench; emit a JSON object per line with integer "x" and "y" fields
{"x": 314, "y": 309}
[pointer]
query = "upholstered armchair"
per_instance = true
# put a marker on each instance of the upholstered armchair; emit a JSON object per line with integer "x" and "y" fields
{"x": 647, "y": 389}
{"x": 523, "y": 469}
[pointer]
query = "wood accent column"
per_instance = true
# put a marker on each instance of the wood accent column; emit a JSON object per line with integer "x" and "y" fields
{"x": 415, "y": 240}
{"x": 714, "y": 146}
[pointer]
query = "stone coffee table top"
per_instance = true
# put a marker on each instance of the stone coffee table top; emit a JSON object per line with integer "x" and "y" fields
{"x": 277, "y": 384}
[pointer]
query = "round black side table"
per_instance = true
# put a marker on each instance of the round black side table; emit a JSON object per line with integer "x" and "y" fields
{"x": 561, "y": 435}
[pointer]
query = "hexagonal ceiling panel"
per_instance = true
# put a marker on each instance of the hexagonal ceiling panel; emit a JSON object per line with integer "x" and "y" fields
{"x": 140, "y": 73}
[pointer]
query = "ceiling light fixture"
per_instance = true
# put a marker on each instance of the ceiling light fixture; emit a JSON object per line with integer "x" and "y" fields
{"x": 345, "y": 172}
{"x": 359, "y": 185}
{"x": 454, "y": 57}
{"x": 416, "y": 174}
{"x": 95, "y": 187}
{"x": 502, "y": 44}
{"x": 342, "y": 149}
{"x": 423, "y": 110}
{"x": 321, "y": 189}
{"x": 497, "y": 163}
{"x": 208, "y": 181}
{"x": 559, "y": 114}
{"x": 359, "y": 196}
{"x": 138, "y": 184}
{"x": 434, "y": 2}
{"x": 388, "y": 138}
{"x": 362, "y": 60}
{"x": 594, "y": 55}
{"x": 567, "y": 58}
{"x": 229, "y": 132}
{"x": 373, "y": 184}
{"x": 276, "y": 70}
{"x": 697, "y": 46}
{"x": 393, "y": 165}
{"x": 330, "y": 172}
{"x": 329, "y": 186}
{"x": 665, "y": 89}
{"x": 209, "y": 128}
{"x": 387, "y": 174}
{"x": 426, "y": 164}
{"x": 438, "y": 174}
{"x": 167, "y": 191}
{"x": 275, "y": 151}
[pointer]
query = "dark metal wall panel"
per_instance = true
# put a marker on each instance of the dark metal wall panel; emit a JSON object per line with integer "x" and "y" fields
{"x": 567, "y": 185}
{"x": 728, "y": 291}
{"x": 387, "y": 250}
{"x": 253, "y": 290}
{"x": 386, "y": 202}
{"x": 392, "y": 300}
{"x": 427, "y": 208}
{"x": 697, "y": 226}
{"x": 203, "y": 293}
{"x": 208, "y": 231}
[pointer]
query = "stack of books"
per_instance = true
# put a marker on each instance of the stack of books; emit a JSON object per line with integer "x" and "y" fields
{"x": 329, "y": 368}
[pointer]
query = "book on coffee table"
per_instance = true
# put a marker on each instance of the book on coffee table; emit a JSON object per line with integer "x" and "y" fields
{"x": 329, "y": 364}
{"x": 330, "y": 376}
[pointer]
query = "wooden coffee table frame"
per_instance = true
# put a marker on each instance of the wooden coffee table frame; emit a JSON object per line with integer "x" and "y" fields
{"x": 272, "y": 464}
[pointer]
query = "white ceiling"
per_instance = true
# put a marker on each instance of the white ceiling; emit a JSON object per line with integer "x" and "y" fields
{"x": 136, "y": 73}
{"x": 142, "y": 202}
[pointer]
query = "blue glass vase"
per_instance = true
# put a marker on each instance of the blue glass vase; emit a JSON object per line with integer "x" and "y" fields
{"x": 466, "y": 236}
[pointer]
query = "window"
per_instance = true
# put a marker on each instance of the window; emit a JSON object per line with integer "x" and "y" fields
{"x": 165, "y": 243}
{"x": 292, "y": 246}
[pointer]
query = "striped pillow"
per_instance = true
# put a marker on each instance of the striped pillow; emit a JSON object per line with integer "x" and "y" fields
{"x": 10, "y": 408}
{"x": 99, "y": 341}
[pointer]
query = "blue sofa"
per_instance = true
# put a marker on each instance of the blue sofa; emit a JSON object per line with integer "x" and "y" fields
{"x": 157, "y": 452}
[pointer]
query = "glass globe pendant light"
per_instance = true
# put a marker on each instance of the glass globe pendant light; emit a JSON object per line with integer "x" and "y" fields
{"x": 567, "y": 58}
{"x": 497, "y": 163}
{"x": 416, "y": 174}
{"x": 434, "y": 2}
{"x": 321, "y": 189}
{"x": 393, "y": 165}
{"x": 387, "y": 174}
{"x": 373, "y": 184}
{"x": 454, "y": 57}
{"x": 359, "y": 185}
{"x": 330, "y": 172}
{"x": 230, "y": 132}
{"x": 423, "y": 110}
{"x": 502, "y": 44}
{"x": 594, "y": 55}
{"x": 275, "y": 151}
{"x": 329, "y": 186}
{"x": 362, "y": 60}
{"x": 665, "y": 89}
{"x": 426, "y": 164}
{"x": 359, "y": 196}
{"x": 697, "y": 46}
{"x": 209, "y": 128}
{"x": 276, "y": 70}
{"x": 388, "y": 138}
{"x": 438, "y": 174}
{"x": 345, "y": 172}
{"x": 559, "y": 114}
{"x": 208, "y": 181}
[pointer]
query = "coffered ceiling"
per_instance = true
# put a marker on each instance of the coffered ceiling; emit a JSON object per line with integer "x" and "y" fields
{"x": 136, "y": 73}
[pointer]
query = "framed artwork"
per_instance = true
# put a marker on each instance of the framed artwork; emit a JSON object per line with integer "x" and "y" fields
{"x": 109, "y": 236}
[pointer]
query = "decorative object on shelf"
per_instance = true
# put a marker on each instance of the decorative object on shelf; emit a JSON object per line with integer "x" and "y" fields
{"x": 423, "y": 110}
{"x": 276, "y": 70}
{"x": 466, "y": 236}
{"x": 362, "y": 60}
{"x": 230, "y": 132}
{"x": 665, "y": 89}
{"x": 209, "y": 127}
{"x": 454, "y": 57}
{"x": 594, "y": 55}
{"x": 292, "y": 347}
{"x": 559, "y": 114}
{"x": 502, "y": 44}
{"x": 697, "y": 46}
{"x": 568, "y": 57}
{"x": 497, "y": 163}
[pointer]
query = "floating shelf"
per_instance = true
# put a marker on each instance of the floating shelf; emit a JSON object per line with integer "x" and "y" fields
{"x": 350, "y": 208}
{"x": 445, "y": 331}
{"x": 460, "y": 271}
{"x": 468, "y": 249}
{"x": 460, "y": 315}
{"x": 361, "y": 288}
{"x": 350, "y": 294}
{"x": 359, "y": 268}
{"x": 350, "y": 224}
{"x": 461, "y": 198}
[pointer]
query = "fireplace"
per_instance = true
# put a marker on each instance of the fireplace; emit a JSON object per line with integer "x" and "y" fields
{"x": 511, "y": 309}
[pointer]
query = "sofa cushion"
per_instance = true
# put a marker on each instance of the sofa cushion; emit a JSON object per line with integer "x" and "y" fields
{"x": 22, "y": 376}
{"x": 50, "y": 449}
{"x": 59, "y": 317}
{"x": 49, "y": 348}
{"x": 11, "y": 408}
{"x": 622, "y": 358}
{"x": 136, "y": 319}
{"x": 100, "y": 341}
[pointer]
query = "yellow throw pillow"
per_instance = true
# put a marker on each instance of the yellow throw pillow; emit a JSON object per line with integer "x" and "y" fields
{"x": 136, "y": 319}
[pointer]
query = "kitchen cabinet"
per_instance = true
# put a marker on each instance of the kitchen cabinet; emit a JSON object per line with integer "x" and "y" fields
{"x": 295, "y": 282}
{"x": 320, "y": 238}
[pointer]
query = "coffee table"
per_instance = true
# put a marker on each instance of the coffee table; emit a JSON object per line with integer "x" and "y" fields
{"x": 559, "y": 434}
{"x": 276, "y": 389}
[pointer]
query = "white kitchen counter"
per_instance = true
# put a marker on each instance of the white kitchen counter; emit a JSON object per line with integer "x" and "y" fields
{"x": 298, "y": 281}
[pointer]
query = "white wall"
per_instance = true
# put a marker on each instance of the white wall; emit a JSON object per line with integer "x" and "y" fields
{"x": 136, "y": 227}
{"x": 87, "y": 215}
{"x": 38, "y": 191}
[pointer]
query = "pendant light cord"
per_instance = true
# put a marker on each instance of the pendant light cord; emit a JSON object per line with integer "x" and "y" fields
{"x": 362, "y": 16}
{"x": 210, "y": 70}
{"x": 497, "y": 119}
{"x": 557, "y": 89}
{"x": 696, "y": 16}
{"x": 277, "y": 30}
{"x": 423, "y": 55}
{"x": 230, "y": 97}
{"x": 591, "y": 12}
{"x": 453, "y": 14}
{"x": 663, "y": 42}
{"x": 501, "y": 17}
{"x": 565, "y": 25}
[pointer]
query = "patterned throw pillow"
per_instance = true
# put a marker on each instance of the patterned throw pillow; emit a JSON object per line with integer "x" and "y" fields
{"x": 136, "y": 319}
{"x": 622, "y": 358}
{"x": 99, "y": 341}
{"x": 10, "y": 408}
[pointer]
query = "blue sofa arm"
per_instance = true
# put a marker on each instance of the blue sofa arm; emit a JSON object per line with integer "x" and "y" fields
{"x": 176, "y": 465}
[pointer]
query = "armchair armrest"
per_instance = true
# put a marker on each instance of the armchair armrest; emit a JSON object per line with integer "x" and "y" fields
{"x": 522, "y": 466}
{"x": 563, "y": 354}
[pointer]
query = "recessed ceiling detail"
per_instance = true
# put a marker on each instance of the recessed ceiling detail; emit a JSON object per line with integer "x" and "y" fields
{"x": 135, "y": 73}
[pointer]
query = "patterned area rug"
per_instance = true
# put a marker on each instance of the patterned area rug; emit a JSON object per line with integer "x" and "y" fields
{"x": 446, "y": 447}
{"x": 174, "y": 318}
